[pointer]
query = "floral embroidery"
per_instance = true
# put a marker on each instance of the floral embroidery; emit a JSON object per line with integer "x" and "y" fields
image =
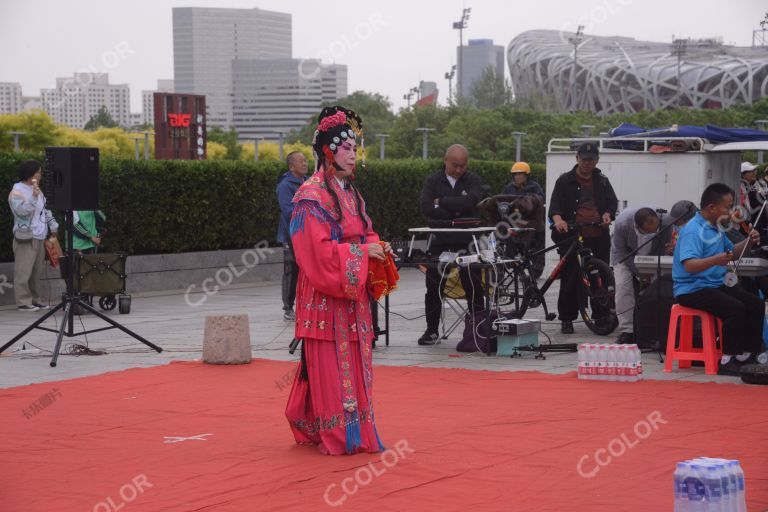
{"x": 352, "y": 270}
{"x": 321, "y": 325}
{"x": 314, "y": 427}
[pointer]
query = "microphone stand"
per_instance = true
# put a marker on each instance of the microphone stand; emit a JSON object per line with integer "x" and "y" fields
{"x": 660, "y": 232}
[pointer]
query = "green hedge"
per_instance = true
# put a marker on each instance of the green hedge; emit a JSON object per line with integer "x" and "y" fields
{"x": 170, "y": 206}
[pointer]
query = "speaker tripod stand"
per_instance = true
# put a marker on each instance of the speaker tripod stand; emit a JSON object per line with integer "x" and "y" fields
{"x": 70, "y": 300}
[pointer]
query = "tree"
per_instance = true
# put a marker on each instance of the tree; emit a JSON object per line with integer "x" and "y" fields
{"x": 39, "y": 131}
{"x": 101, "y": 119}
{"x": 373, "y": 108}
{"x": 490, "y": 90}
{"x": 228, "y": 139}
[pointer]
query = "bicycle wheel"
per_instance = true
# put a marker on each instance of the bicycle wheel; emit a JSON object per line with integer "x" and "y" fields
{"x": 597, "y": 287}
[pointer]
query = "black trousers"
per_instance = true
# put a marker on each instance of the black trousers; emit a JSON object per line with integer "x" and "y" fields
{"x": 742, "y": 314}
{"x": 567, "y": 300}
{"x": 472, "y": 283}
{"x": 290, "y": 277}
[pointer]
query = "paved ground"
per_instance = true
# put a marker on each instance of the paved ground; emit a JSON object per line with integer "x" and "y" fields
{"x": 169, "y": 320}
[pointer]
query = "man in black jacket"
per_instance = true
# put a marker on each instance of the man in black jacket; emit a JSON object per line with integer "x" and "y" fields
{"x": 448, "y": 194}
{"x": 582, "y": 195}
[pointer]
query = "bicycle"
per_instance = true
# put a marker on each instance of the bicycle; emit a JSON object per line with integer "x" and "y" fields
{"x": 597, "y": 285}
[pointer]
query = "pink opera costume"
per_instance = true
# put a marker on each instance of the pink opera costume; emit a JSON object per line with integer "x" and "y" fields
{"x": 331, "y": 401}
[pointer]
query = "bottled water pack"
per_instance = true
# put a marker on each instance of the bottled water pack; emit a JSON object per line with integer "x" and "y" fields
{"x": 612, "y": 362}
{"x": 709, "y": 485}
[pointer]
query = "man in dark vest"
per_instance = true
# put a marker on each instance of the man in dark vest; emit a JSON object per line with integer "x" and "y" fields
{"x": 582, "y": 195}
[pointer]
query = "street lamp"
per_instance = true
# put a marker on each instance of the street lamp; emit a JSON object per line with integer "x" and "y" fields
{"x": 16, "y": 135}
{"x": 587, "y": 129}
{"x": 460, "y": 26}
{"x": 680, "y": 49}
{"x": 408, "y": 97}
{"x": 136, "y": 140}
{"x": 146, "y": 144}
{"x": 425, "y": 141}
{"x": 449, "y": 76}
{"x": 760, "y": 126}
{"x": 518, "y": 144}
{"x": 281, "y": 141}
{"x": 383, "y": 137}
{"x": 575, "y": 41}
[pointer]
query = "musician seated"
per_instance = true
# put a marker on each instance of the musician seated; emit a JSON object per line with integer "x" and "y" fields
{"x": 450, "y": 193}
{"x": 699, "y": 273}
{"x": 757, "y": 284}
{"x": 633, "y": 234}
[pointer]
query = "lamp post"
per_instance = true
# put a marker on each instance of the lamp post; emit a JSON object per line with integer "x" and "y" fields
{"x": 425, "y": 141}
{"x": 449, "y": 76}
{"x": 136, "y": 140}
{"x": 256, "y": 148}
{"x": 761, "y": 123}
{"x": 408, "y": 97}
{"x": 280, "y": 136}
{"x": 16, "y": 135}
{"x": 146, "y": 144}
{"x": 680, "y": 49}
{"x": 460, "y": 26}
{"x": 575, "y": 41}
{"x": 518, "y": 144}
{"x": 383, "y": 137}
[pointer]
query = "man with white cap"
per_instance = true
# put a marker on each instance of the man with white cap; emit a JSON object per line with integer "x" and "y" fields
{"x": 752, "y": 193}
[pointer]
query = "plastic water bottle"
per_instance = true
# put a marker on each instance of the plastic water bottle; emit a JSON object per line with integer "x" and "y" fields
{"x": 613, "y": 363}
{"x": 741, "y": 490}
{"x": 637, "y": 357}
{"x": 681, "y": 493}
{"x": 602, "y": 362}
{"x": 594, "y": 356}
{"x": 725, "y": 483}
{"x": 713, "y": 487}
{"x": 582, "y": 360}
{"x": 694, "y": 485}
{"x": 492, "y": 242}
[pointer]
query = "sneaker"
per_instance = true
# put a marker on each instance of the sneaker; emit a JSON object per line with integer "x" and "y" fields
{"x": 626, "y": 338}
{"x": 732, "y": 367}
{"x": 289, "y": 315}
{"x": 40, "y": 305}
{"x": 566, "y": 327}
{"x": 429, "y": 338}
{"x": 28, "y": 307}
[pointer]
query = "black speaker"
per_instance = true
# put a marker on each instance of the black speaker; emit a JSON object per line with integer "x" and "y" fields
{"x": 71, "y": 178}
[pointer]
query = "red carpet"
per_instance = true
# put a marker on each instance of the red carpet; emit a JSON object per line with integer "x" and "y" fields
{"x": 461, "y": 440}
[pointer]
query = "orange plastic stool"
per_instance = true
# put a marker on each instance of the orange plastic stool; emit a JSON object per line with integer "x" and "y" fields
{"x": 684, "y": 353}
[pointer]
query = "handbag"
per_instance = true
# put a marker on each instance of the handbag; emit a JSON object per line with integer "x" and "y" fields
{"x": 23, "y": 233}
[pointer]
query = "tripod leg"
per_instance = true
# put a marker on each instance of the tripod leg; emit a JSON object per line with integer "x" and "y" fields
{"x": 60, "y": 336}
{"x": 33, "y": 326}
{"x": 116, "y": 325}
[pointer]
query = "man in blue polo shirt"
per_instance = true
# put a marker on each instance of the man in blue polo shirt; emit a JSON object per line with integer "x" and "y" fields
{"x": 699, "y": 272}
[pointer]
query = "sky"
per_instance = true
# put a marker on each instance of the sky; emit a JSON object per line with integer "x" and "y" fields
{"x": 388, "y": 46}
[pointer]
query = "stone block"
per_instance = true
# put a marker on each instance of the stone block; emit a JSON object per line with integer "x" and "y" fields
{"x": 227, "y": 339}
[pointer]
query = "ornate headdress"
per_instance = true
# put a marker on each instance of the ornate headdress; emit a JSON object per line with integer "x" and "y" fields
{"x": 335, "y": 125}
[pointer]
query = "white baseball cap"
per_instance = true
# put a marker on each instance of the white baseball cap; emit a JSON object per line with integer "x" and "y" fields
{"x": 747, "y": 167}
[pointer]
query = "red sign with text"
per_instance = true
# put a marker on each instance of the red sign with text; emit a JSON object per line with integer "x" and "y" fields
{"x": 179, "y": 120}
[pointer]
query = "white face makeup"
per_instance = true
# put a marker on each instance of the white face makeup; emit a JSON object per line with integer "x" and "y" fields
{"x": 346, "y": 157}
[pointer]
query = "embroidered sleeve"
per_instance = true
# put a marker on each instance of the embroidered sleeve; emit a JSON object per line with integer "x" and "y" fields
{"x": 332, "y": 267}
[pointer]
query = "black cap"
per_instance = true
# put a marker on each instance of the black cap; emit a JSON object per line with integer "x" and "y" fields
{"x": 685, "y": 208}
{"x": 588, "y": 150}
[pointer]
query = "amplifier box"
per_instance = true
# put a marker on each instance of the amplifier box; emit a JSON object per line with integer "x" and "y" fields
{"x": 517, "y": 326}
{"x": 516, "y": 333}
